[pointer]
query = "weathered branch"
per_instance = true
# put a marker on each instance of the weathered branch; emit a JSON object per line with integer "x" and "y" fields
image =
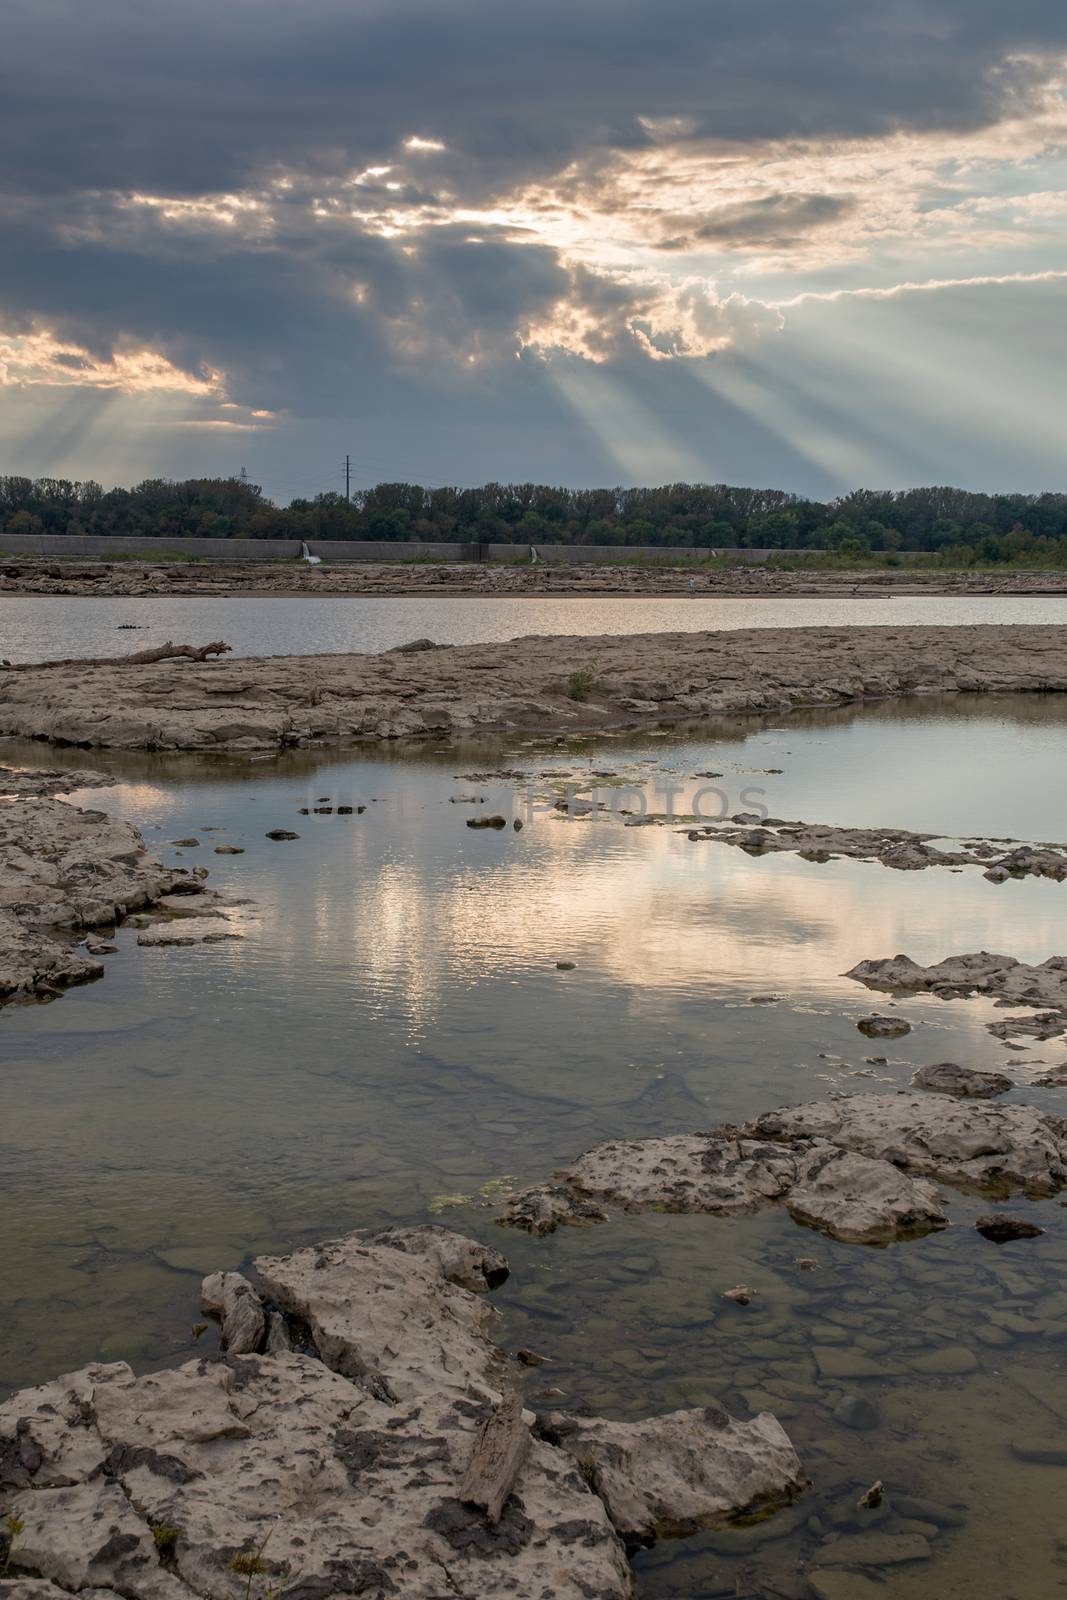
{"x": 499, "y": 1452}
{"x": 142, "y": 658}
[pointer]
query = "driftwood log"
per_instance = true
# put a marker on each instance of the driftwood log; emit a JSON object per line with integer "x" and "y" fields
{"x": 499, "y": 1452}
{"x": 143, "y": 658}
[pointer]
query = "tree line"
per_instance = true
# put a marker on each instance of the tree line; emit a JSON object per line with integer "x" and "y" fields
{"x": 956, "y": 524}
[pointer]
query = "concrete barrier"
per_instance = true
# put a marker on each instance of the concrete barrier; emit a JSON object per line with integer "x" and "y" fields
{"x": 86, "y": 547}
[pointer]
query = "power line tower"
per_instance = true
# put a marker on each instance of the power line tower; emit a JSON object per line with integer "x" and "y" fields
{"x": 348, "y": 479}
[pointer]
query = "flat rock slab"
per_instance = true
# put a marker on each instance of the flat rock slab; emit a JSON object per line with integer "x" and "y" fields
{"x": 391, "y": 1310}
{"x": 859, "y": 1169}
{"x": 893, "y": 847}
{"x": 873, "y": 1550}
{"x": 847, "y": 1195}
{"x": 642, "y": 680}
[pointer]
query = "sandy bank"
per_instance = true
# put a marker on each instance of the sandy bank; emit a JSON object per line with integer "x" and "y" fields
{"x": 542, "y": 684}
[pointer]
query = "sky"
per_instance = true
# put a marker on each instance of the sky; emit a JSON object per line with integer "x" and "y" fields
{"x": 811, "y": 246}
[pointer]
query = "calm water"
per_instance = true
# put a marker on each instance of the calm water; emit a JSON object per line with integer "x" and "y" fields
{"x": 41, "y": 628}
{"x": 393, "y": 1035}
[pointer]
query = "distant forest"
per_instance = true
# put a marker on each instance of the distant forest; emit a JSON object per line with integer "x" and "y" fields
{"x": 957, "y": 526}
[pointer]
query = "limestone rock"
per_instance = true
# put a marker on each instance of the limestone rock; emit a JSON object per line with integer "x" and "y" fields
{"x": 346, "y": 1476}
{"x": 669, "y": 1476}
{"x": 231, "y": 1298}
{"x": 61, "y": 869}
{"x": 1010, "y": 982}
{"x": 945, "y": 1077}
{"x": 999, "y": 1149}
{"x": 861, "y": 1200}
{"x": 845, "y": 1194}
{"x": 858, "y": 1168}
{"x": 281, "y": 702}
{"x": 462, "y": 1261}
{"x": 387, "y": 1317}
{"x": 876, "y": 1027}
{"x": 545, "y": 1207}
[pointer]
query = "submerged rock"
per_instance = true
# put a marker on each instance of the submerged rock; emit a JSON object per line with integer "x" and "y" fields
{"x": 188, "y": 930}
{"x": 1002, "y": 1229}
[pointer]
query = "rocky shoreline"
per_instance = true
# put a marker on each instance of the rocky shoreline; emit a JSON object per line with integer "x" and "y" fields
{"x": 898, "y": 848}
{"x": 361, "y": 1434}
{"x": 861, "y": 1169}
{"x": 425, "y": 579}
{"x": 66, "y": 873}
{"x": 556, "y": 685}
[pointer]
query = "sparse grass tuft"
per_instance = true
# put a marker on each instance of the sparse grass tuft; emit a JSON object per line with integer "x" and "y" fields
{"x": 14, "y": 1526}
{"x": 582, "y": 682}
{"x": 165, "y": 1538}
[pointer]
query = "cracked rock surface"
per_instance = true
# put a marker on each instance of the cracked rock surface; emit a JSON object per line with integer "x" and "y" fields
{"x": 861, "y": 1169}
{"x": 63, "y": 870}
{"x": 643, "y": 680}
{"x": 343, "y": 1475}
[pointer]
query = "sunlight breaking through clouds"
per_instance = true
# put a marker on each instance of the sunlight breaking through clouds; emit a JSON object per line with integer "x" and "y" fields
{"x": 444, "y": 220}
{"x": 40, "y": 358}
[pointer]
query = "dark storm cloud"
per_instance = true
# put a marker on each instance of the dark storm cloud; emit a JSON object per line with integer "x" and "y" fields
{"x": 317, "y": 308}
{"x": 197, "y": 97}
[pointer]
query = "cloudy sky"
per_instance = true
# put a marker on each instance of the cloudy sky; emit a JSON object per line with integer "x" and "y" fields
{"x": 803, "y": 243}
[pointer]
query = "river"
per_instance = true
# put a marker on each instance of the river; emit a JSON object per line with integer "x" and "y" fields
{"x": 39, "y": 628}
{"x": 392, "y": 1041}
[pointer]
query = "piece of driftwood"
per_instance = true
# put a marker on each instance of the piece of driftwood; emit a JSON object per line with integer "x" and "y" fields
{"x": 142, "y": 658}
{"x": 499, "y": 1452}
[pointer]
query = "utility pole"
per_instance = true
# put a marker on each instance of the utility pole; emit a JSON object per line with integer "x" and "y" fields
{"x": 348, "y": 479}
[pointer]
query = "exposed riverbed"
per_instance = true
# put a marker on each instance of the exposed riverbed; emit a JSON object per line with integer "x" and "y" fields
{"x": 393, "y": 1037}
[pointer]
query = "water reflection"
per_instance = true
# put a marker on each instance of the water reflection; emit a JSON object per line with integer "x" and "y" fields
{"x": 394, "y": 1034}
{"x": 46, "y": 627}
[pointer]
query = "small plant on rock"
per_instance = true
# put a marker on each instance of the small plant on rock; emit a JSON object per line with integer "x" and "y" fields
{"x": 251, "y": 1565}
{"x": 14, "y": 1526}
{"x": 165, "y": 1538}
{"x": 582, "y": 682}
